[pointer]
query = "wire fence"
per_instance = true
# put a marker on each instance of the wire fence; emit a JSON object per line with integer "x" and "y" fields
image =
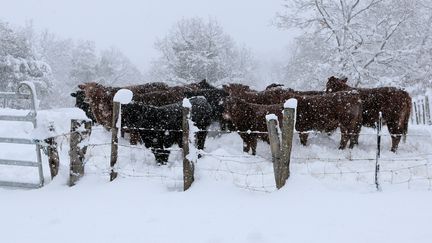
{"x": 394, "y": 171}
{"x": 255, "y": 173}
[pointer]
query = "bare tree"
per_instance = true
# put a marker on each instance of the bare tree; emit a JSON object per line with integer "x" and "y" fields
{"x": 358, "y": 37}
{"x": 195, "y": 49}
{"x": 114, "y": 68}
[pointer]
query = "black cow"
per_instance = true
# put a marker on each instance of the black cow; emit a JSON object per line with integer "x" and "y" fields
{"x": 79, "y": 96}
{"x": 160, "y": 127}
{"x": 215, "y": 98}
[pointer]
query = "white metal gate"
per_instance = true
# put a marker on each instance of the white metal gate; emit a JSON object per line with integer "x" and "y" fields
{"x": 25, "y": 91}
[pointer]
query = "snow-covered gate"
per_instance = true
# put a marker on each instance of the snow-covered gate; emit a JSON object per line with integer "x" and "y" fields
{"x": 420, "y": 112}
{"x": 25, "y": 91}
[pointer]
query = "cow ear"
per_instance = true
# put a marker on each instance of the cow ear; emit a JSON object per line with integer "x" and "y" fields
{"x": 81, "y": 86}
{"x": 73, "y": 94}
{"x": 345, "y": 79}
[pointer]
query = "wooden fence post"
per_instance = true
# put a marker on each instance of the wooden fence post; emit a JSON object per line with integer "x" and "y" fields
{"x": 275, "y": 147}
{"x": 427, "y": 110}
{"x": 53, "y": 156}
{"x": 288, "y": 124}
{"x": 76, "y": 153}
{"x": 281, "y": 151}
{"x": 188, "y": 166}
{"x": 114, "y": 139}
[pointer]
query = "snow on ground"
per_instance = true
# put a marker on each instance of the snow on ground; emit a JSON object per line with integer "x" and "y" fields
{"x": 330, "y": 196}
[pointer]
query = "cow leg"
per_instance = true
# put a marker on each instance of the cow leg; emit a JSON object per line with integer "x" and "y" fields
{"x": 201, "y": 137}
{"x": 303, "y": 138}
{"x": 254, "y": 142}
{"x": 354, "y": 137}
{"x": 354, "y": 140}
{"x": 396, "y": 135}
{"x": 345, "y": 136}
{"x": 395, "y": 142}
{"x": 161, "y": 156}
{"x": 134, "y": 137}
{"x": 246, "y": 146}
{"x": 246, "y": 142}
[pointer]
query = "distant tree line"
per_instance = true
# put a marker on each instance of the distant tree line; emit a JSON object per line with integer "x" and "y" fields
{"x": 194, "y": 49}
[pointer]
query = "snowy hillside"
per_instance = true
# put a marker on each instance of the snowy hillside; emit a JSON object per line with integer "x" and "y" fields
{"x": 330, "y": 196}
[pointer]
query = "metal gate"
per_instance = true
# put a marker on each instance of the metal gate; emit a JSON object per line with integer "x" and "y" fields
{"x": 25, "y": 91}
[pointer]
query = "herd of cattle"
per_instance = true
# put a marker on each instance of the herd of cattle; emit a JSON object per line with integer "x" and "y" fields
{"x": 154, "y": 116}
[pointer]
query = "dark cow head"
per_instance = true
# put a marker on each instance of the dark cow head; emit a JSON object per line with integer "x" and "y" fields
{"x": 80, "y": 102}
{"x": 274, "y": 86}
{"x": 90, "y": 90}
{"x": 236, "y": 88}
{"x": 231, "y": 107}
{"x": 336, "y": 84}
{"x": 204, "y": 84}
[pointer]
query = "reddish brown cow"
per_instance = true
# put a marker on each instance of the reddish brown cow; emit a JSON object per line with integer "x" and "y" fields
{"x": 322, "y": 113}
{"x": 272, "y": 95}
{"x": 327, "y": 112}
{"x": 393, "y": 103}
{"x": 249, "y": 117}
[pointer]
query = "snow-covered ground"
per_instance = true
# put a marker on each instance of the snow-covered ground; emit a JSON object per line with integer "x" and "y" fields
{"x": 330, "y": 196}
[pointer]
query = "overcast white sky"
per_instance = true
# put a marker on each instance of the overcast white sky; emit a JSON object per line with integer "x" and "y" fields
{"x": 133, "y": 25}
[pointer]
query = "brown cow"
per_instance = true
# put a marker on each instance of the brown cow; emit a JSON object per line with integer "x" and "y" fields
{"x": 327, "y": 112}
{"x": 272, "y": 95}
{"x": 249, "y": 117}
{"x": 393, "y": 103}
{"x": 322, "y": 113}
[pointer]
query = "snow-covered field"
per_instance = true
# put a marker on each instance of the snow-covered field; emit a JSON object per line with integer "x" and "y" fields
{"x": 330, "y": 196}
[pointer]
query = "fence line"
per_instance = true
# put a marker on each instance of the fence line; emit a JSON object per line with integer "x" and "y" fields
{"x": 260, "y": 132}
{"x": 245, "y": 180}
{"x": 421, "y": 113}
{"x": 245, "y": 177}
{"x": 226, "y": 163}
{"x": 406, "y": 173}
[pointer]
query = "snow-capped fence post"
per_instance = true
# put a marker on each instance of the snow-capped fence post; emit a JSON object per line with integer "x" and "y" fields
{"x": 273, "y": 134}
{"x": 378, "y": 153}
{"x": 121, "y": 97}
{"x": 188, "y": 166}
{"x": 288, "y": 124}
{"x": 427, "y": 110}
{"x": 76, "y": 152}
{"x": 281, "y": 151}
{"x": 114, "y": 139}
